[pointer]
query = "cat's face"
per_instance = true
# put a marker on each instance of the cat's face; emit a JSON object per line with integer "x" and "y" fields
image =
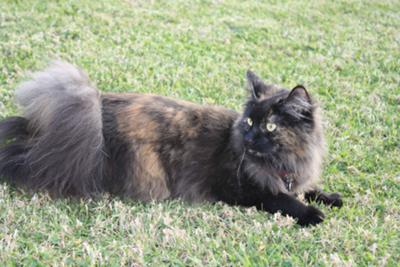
{"x": 276, "y": 122}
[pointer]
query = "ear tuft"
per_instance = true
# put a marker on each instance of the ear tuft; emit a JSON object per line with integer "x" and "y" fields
{"x": 298, "y": 104}
{"x": 299, "y": 92}
{"x": 252, "y": 77}
{"x": 256, "y": 86}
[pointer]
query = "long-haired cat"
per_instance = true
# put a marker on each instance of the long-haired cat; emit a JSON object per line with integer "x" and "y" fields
{"x": 72, "y": 140}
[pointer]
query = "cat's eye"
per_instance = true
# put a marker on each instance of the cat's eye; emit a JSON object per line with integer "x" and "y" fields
{"x": 249, "y": 121}
{"x": 271, "y": 126}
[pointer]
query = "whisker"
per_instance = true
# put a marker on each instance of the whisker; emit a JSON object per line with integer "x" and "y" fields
{"x": 239, "y": 167}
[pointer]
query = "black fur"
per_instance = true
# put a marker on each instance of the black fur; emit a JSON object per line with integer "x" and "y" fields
{"x": 330, "y": 199}
{"x": 116, "y": 148}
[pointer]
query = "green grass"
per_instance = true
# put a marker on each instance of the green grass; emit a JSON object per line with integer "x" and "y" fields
{"x": 346, "y": 52}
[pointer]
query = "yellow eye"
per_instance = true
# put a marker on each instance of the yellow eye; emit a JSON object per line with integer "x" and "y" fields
{"x": 249, "y": 121}
{"x": 271, "y": 126}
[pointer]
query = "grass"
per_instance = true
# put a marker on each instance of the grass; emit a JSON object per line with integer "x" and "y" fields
{"x": 346, "y": 52}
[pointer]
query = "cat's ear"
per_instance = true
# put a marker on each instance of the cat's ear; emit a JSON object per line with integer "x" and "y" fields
{"x": 299, "y": 93}
{"x": 256, "y": 86}
{"x": 298, "y": 103}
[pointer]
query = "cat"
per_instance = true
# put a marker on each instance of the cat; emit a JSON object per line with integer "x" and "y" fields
{"x": 73, "y": 141}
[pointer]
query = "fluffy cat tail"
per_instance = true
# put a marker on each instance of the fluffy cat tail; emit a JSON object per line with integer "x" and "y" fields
{"x": 57, "y": 144}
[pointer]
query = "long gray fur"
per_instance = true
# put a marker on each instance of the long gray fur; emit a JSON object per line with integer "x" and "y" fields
{"x": 64, "y": 152}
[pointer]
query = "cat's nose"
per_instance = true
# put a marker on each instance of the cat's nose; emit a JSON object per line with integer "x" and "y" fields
{"x": 248, "y": 141}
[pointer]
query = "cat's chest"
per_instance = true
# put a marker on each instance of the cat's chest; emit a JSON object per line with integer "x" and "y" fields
{"x": 265, "y": 177}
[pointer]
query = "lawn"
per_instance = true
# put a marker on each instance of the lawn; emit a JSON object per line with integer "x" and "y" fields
{"x": 347, "y": 53}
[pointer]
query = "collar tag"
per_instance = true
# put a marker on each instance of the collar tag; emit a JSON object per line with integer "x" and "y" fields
{"x": 288, "y": 182}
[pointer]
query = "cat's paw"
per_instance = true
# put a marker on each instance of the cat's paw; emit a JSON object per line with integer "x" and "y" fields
{"x": 312, "y": 216}
{"x": 335, "y": 200}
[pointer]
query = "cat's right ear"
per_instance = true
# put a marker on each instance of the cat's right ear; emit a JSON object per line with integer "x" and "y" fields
{"x": 256, "y": 86}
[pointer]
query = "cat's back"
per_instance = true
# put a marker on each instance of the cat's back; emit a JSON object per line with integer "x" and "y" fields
{"x": 150, "y": 118}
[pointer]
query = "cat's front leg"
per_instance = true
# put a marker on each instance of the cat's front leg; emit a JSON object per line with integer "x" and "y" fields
{"x": 289, "y": 205}
{"x": 329, "y": 199}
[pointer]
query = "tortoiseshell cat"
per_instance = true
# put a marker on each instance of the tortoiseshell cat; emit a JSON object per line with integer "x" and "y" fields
{"x": 73, "y": 141}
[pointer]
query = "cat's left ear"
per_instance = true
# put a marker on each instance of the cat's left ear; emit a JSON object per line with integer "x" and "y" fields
{"x": 299, "y": 93}
{"x": 298, "y": 102}
{"x": 257, "y": 87}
